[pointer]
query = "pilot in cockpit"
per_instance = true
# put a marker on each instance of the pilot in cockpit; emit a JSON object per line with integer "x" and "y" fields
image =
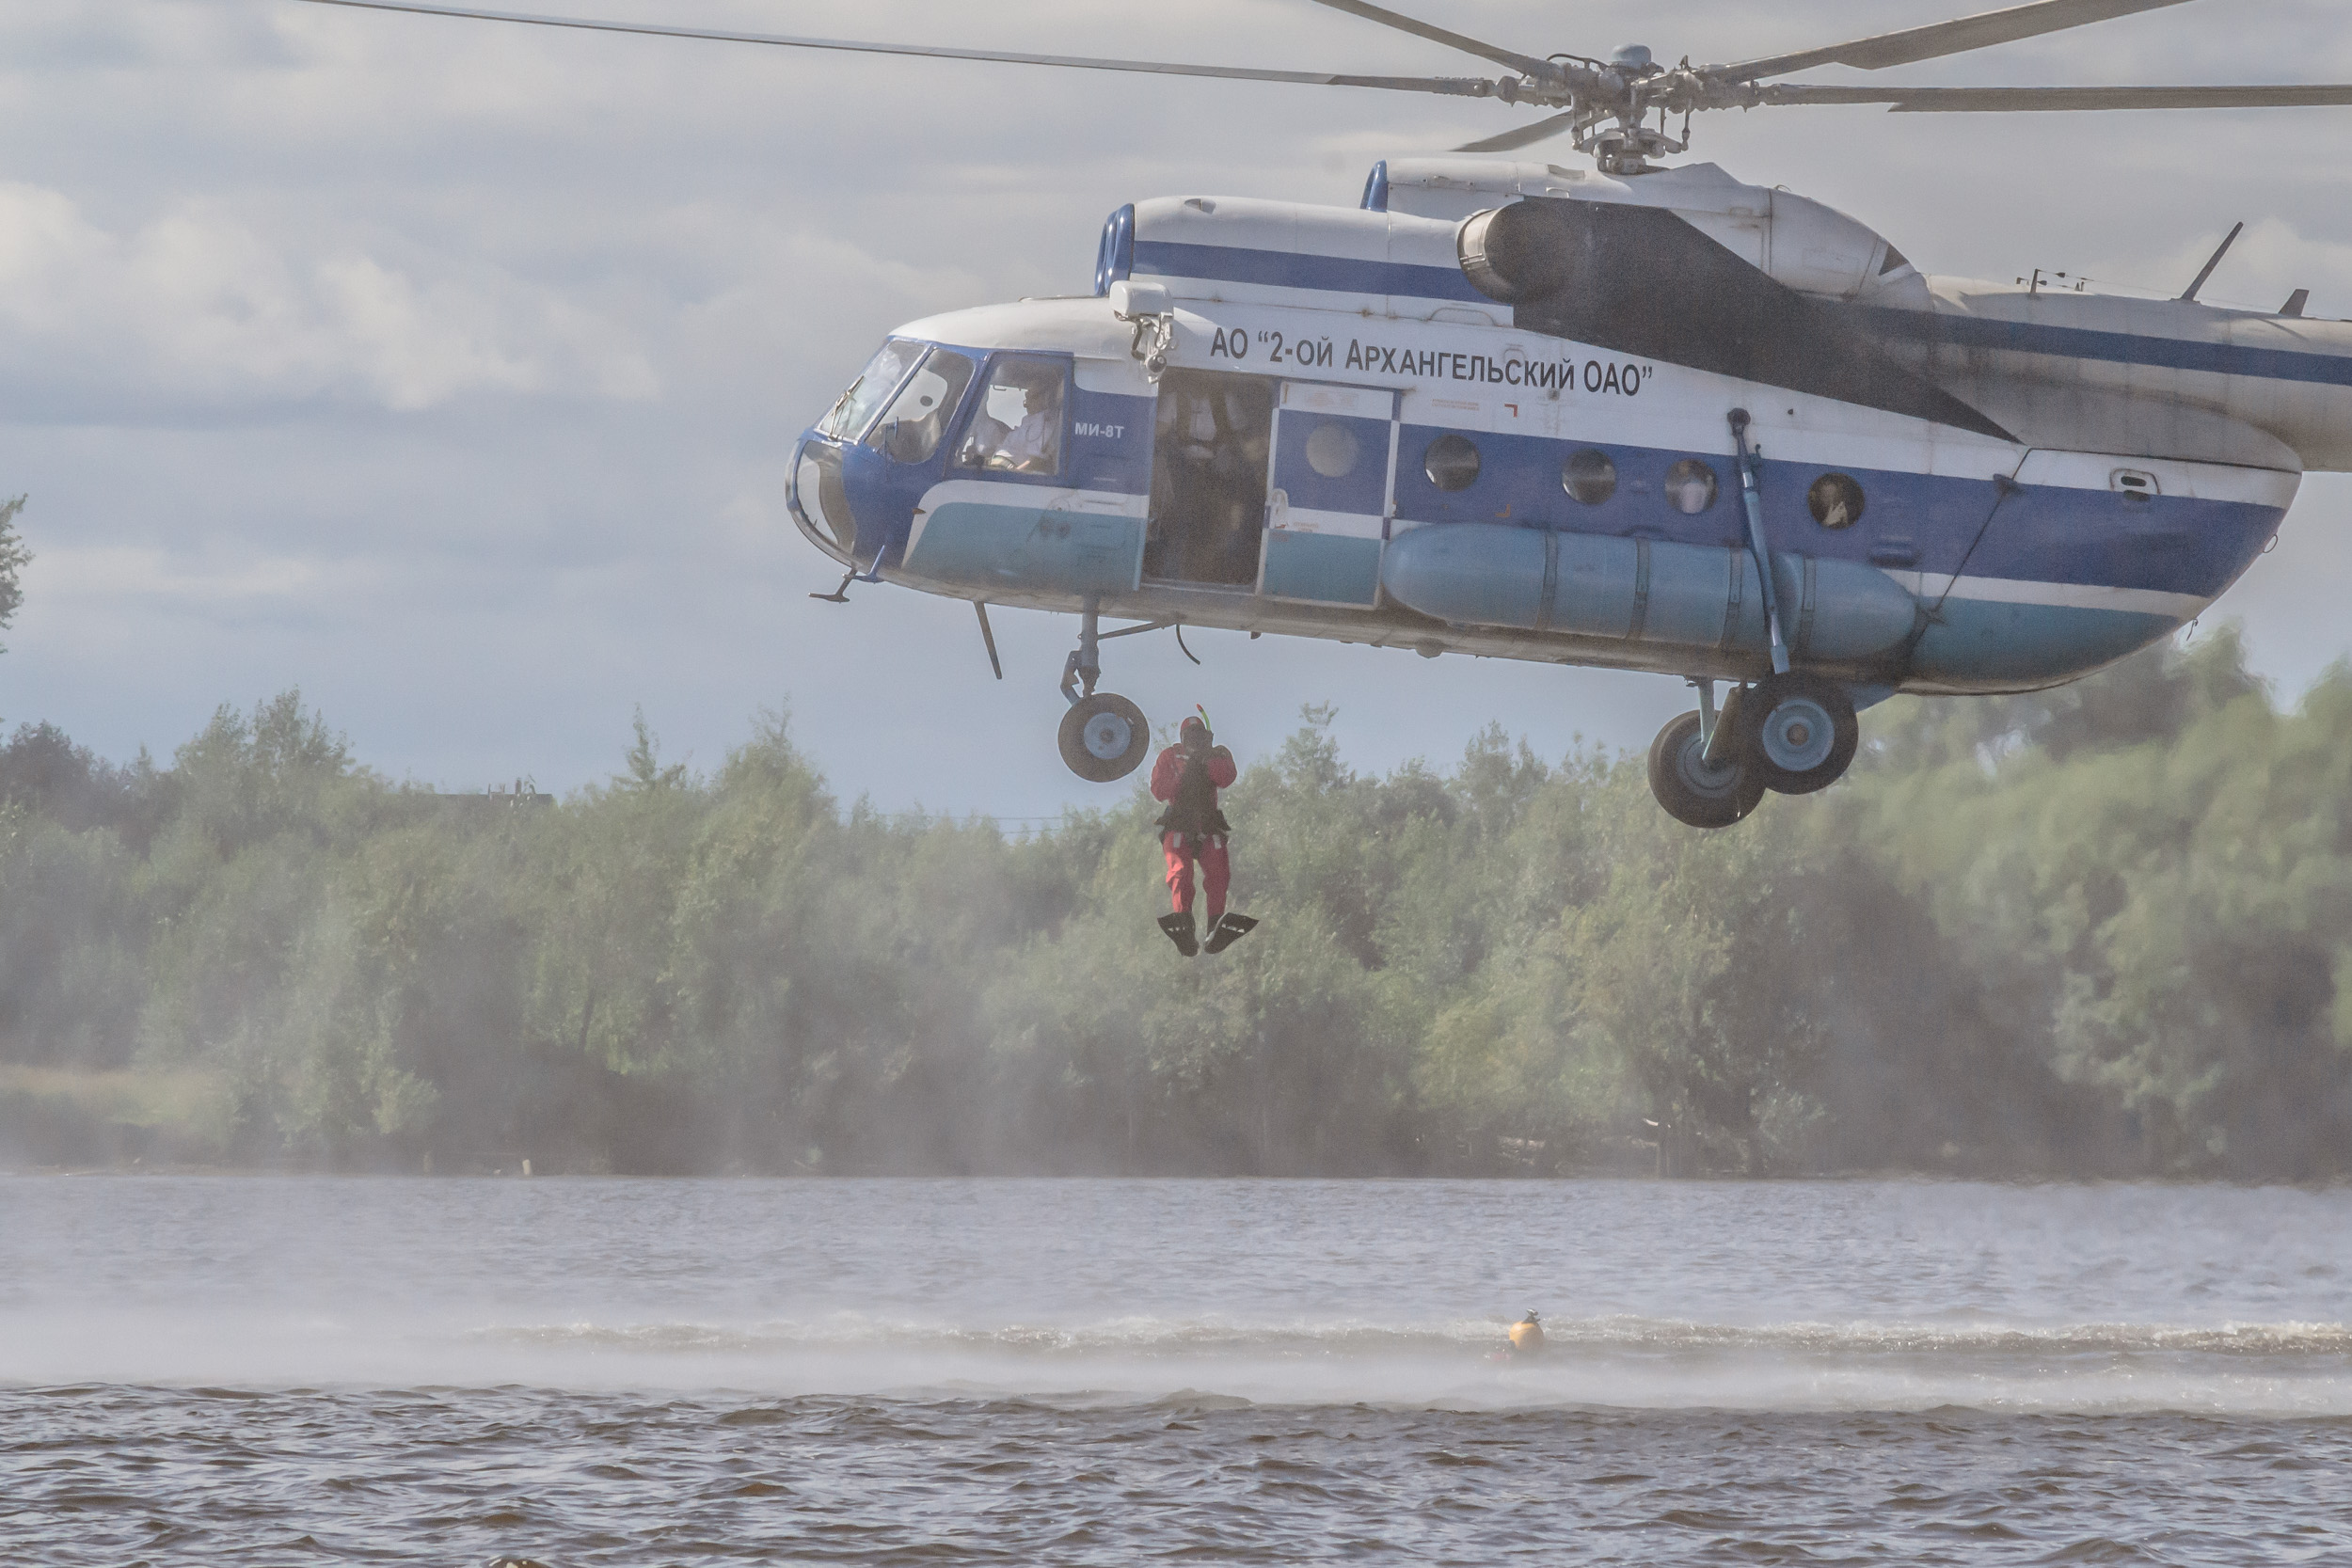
{"x": 1017, "y": 429}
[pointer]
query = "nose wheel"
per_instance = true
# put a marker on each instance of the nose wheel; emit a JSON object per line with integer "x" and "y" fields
{"x": 1104, "y": 736}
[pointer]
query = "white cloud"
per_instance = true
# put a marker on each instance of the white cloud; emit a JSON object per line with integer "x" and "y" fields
{"x": 196, "y": 308}
{"x": 220, "y": 586}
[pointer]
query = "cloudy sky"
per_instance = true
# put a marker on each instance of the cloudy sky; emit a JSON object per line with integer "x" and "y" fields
{"x": 448, "y": 371}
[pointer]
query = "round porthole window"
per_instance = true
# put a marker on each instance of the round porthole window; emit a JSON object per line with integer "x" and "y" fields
{"x": 1588, "y": 476}
{"x": 1332, "y": 449}
{"x": 1691, "y": 486}
{"x": 1452, "y": 463}
{"x": 1835, "y": 501}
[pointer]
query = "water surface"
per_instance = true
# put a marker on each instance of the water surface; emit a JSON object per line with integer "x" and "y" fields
{"x": 582, "y": 1371}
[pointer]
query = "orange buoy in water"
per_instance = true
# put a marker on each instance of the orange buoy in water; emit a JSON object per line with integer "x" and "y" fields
{"x": 1527, "y": 1335}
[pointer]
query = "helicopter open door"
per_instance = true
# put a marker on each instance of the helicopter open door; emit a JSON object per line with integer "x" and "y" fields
{"x": 1332, "y": 488}
{"x": 1210, "y": 437}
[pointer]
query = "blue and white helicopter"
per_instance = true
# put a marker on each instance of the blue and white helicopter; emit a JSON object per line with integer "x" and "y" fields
{"x": 1641, "y": 417}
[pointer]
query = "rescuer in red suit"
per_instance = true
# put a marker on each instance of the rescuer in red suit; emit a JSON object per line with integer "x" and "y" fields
{"x": 1188, "y": 776}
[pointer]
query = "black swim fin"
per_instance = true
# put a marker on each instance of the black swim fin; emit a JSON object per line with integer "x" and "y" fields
{"x": 1228, "y": 930}
{"x": 1179, "y": 927}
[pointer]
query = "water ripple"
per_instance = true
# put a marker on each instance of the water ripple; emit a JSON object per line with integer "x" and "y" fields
{"x": 113, "y": 1476}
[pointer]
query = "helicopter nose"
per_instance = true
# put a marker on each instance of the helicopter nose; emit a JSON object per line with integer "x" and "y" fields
{"x": 818, "y": 499}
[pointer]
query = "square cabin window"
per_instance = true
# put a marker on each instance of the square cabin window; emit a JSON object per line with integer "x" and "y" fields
{"x": 1017, "y": 421}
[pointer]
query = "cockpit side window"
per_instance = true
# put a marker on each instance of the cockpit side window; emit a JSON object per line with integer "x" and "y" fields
{"x": 918, "y": 418}
{"x": 1017, "y": 421}
{"x": 856, "y": 407}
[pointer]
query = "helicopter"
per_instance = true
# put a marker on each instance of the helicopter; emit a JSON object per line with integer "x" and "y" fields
{"x": 1638, "y": 416}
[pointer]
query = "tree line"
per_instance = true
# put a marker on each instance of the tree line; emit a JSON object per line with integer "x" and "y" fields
{"x": 2105, "y": 930}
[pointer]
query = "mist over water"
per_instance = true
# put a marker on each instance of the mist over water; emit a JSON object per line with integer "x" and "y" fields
{"x": 1787, "y": 1296}
{"x": 616, "y": 1370}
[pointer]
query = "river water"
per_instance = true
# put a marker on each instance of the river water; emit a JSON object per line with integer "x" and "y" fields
{"x": 199, "y": 1369}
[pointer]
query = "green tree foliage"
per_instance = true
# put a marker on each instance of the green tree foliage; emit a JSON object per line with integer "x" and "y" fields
{"x": 2101, "y": 930}
{"x": 15, "y": 557}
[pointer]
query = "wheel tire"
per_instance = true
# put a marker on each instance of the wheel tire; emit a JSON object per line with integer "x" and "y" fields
{"x": 1691, "y": 791}
{"x": 1801, "y": 733}
{"x": 1103, "y": 737}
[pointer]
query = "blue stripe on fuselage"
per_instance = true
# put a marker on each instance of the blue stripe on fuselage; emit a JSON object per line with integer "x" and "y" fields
{"x": 1920, "y": 522}
{"x": 2122, "y": 348}
{"x": 1287, "y": 269}
{"x": 1110, "y": 443}
{"x": 1911, "y": 521}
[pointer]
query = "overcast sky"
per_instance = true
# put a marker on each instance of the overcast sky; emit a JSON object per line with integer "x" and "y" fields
{"x": 449, "y": 370}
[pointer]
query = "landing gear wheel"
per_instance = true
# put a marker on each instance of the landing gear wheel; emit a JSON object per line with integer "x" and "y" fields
{"x": 1690, "y": 790}
{"x": 1801, "y": 733}
{"x": 1103, "y": 737}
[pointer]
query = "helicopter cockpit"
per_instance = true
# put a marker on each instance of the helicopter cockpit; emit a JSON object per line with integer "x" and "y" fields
{"x": 862, "y": 398}
{"x": 818, "y": 496}
{"x": 911, "y": 429}
{"x": 923, "y": 414}
{"x": 1016, "y": 427}
{"x": 898, "y": 410}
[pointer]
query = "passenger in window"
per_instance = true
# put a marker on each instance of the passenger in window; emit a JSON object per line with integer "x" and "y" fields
{"x": 1691, "y": 486}
{"x": 1018, "y": 427}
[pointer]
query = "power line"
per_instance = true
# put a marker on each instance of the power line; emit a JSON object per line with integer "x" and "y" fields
{"x": 971, "y": 817}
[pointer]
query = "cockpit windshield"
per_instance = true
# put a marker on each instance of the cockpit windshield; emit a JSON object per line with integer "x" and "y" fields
{"x": 856, "y": 407}
{"x": 909, "y": 432}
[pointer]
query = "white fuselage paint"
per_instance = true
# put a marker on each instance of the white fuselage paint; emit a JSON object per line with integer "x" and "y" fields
{"x": 2199, "y": 428}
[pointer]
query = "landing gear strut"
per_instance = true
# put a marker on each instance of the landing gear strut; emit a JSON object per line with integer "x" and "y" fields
{"x": 1104, "y": 736}
{"x": 1698, "y": 770}
{"x": 1792, "y": 733}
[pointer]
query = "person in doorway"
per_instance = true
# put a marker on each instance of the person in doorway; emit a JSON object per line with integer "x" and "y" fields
{"x": 1188, "y": 776}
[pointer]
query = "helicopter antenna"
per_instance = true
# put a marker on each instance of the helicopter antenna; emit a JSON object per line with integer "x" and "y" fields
{"x": 2206, "y": 271}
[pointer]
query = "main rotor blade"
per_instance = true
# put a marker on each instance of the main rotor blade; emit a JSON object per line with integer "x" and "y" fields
{"x": 1939, "y": 39}
{"x": 1453, "y": 86}
{"x": 1523, "y": 136}
{"x": 1541, "y": 70}
{"x": 1920, "y": 100}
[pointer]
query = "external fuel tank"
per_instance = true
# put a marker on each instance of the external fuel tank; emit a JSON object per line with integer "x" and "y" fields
{"x": 1643, "y": 590}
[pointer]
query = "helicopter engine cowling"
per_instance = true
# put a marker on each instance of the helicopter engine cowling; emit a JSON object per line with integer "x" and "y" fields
{"x": 1795, "y": 241}
{"x": 1511, "y": 254}
{"x": 1639, "y": 280}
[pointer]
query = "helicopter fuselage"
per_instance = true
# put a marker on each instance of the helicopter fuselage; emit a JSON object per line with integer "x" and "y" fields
{"x": 1318, "y": 421}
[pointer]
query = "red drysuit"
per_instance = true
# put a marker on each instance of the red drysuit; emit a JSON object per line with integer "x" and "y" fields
{"x": 1188, "y": 776}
